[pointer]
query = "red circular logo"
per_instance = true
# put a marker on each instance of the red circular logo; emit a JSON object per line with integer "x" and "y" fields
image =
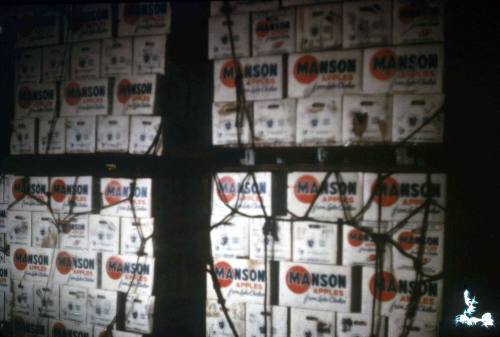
{"x": 20, "y": 259}
{"x": 114, "y": 267}
{"x": 295, "y": 277}
{"x": 306, "y": 188}
{"x": 406, "y": 240}
{"x": 262, "y": 28}
{"x": 386, "y": 287}
{"x": 124, "y": 91}
{"x": 18, "y": 189}
{"x": 63, "y": 262}
{"x": 228, "y": 73}
{"x": 58, "y": 190}
{"x": 112, "y": 192}
{"x": 222, "y": 269}
{"x": 72, "y": 93}
{"x": 383, "y": 64}
{"x": 355, "y": 237}
{"x": 59, "y": 330}
{"x": 226, "y": 189}
{"x": 389, "y": 193}
{"x": 306, "y": 69}
{"x": 24, "y": 97}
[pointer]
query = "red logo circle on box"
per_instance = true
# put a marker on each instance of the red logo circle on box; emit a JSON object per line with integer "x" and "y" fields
{"x": 386, "y": 286}
{"x": 24, "y": 98}
{"x": 406, "y": 240}
{"x": 72, "y": 93}
{"x": 306, "y": 188}
{"x": 123, "y": 91}
{"x": 113, "y": 192}
{"x": 306, "y": 69}
{"x": 59, "y": 330}
{"x": 222, "y": 269}
{"x": 63, "y": 262}
{"x": 58, "y": 190}
{"x": 18, "y": 189}
{"x": 356, "y": 237}
{"x": 383, "y": 64}
{"x": 114, "y": 267}
{"x": 295, "y": 277}
{"x": 389, "y": 193}
{"x": 228, "y": 73}
{"x": 20, "y": 259}
{"x": 226, "y": 189}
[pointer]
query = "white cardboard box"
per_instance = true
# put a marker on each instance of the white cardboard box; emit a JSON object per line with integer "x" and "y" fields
{"x": 69, "y": 328}
{"x": 319, "y": 27}
{"x": 132, "y": 232}
{"x": 216, "y": 323}
{"x": 275, "y": 122}
{"x": 366, "y": 23}
{"x": 73, "y": 305}
{"x": 231, "y": 239}
{"x": 409, "y": 238}
{"x": 149, "y": 54}
{"x": 136, "y": 95}
{"x": 243, "y": 6}
{"x": 84, "y": 97}
{"x": 262, "y": 78}
{"x": 419, "y": 328}
{"x": 23, "y": 136}
{"x": 144, "y": 18}
{"x": 117, "y": 273}
{"x": 46, "y": 300}
{"x": 44, "y": 233}
{"x": 366, "y": 119}
{"x": 112, "y": 133}
{"x": 30, "y": 264}
{"x": 409, "y": 112}
{"x": 115, "y": 190}
{"x": 23, "y": 297}
{"x": 325, "y": 73}
{"x": 280, "y": 249}
{"x": 77, "y": 236}
{"x": 273, "y": 32}
{"x": 104, "y": 233}
{"x": 86, "y": 60}
{"x": 29, "y": 65}
{"x": 27, "y": 193}
{"x": 37, "y": 29}
{"x": 315, "y": 286}
{"x": 67, "y": 189}
{"x": 277, "y": 321}
{"x": 29, "y": 326}
{"x": 80, "y": 134}
{"x": 76, "y": 268}
{"x": 36, "y": 100}
{"x": 116, "y": 57}
{"x": 395, "y": 292}
{"x": 418, "y": 22}
{"x": 416, "y": 69}
{"x": 358, "y": 248}
{"x": 359, "y": 325}
{"x": 224, "y": 130}
{"x": 337, "y": 196}
{"x": 56, "y": 62}
{"x": 139, "y": 311}
{"x": 101, "y": 306}
{"x": 240, "y": 280}
{"x": 239, "y": 189}
{"x": 402, "y": 193}
{"x": 219, "y": 44}
{"x": 143, "y": 132}
{"x": 19, "y": 228}
{"x": 314, "y": 242}
{"x": 311, "y": 323}
{"x": 88, "y": 22}
{"x": 319, "y": 120}
{"x": 57, "y": 140}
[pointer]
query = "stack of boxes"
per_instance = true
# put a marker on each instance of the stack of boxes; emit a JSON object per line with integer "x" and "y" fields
{"x": 320, "y": 274}
{"x": 79, "y": 276}
{"x": 95, "y": 92}
{"x": 316, "y": 73}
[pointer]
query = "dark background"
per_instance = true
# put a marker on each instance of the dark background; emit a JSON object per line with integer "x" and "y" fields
{"x": 470, "y": 157}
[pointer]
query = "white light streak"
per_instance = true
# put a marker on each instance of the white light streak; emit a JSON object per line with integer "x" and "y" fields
{"x": 486, "y": 320}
